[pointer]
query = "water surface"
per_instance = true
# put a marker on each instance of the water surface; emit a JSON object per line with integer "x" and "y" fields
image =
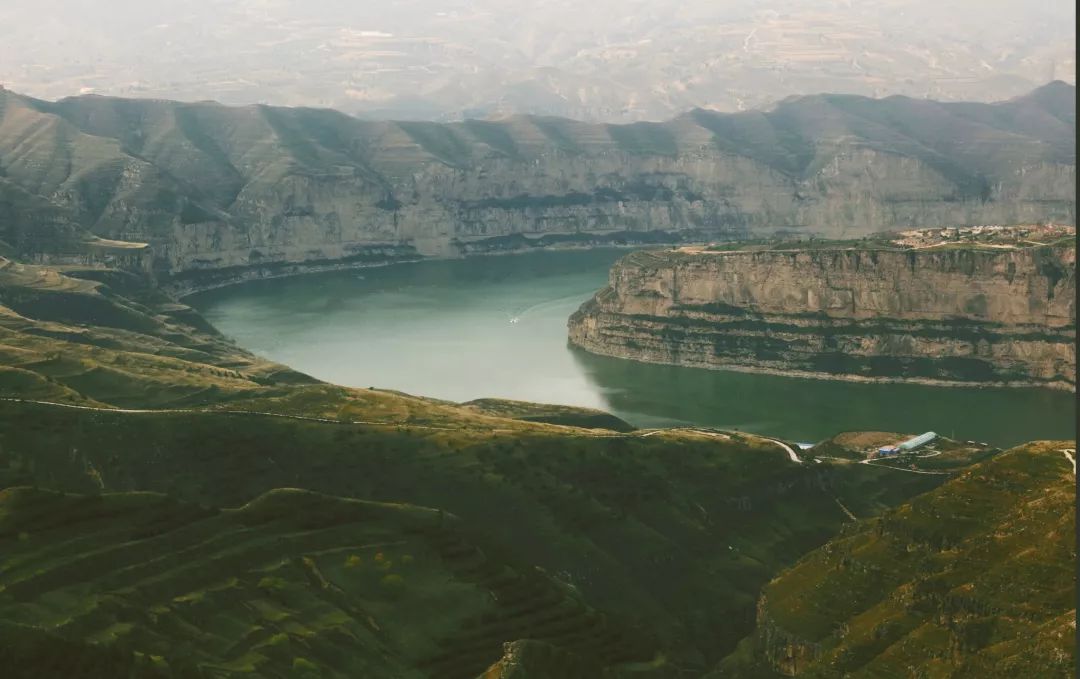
{"x": 496, "y": 326}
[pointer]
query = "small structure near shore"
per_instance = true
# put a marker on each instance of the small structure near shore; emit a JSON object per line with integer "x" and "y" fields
{"x": 917, "y": 442}
{"x": 907, "y": 446}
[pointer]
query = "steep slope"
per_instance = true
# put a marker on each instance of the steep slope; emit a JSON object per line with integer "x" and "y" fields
{"x": 973, "y": 579}
{"x": 264, "y": 190}
{"x": 70, "y": 338}
{"x": 845, "y": 311}
{"x": 29, "y": 652}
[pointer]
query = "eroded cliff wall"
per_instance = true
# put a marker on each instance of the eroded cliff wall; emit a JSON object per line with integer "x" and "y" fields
{"x": 945, "y": 315}
{"x": 220, "y": 190}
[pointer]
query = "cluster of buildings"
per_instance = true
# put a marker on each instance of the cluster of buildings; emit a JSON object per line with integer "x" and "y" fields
{"x": 1019, "y": 234}
{"x": 908, "y": 446}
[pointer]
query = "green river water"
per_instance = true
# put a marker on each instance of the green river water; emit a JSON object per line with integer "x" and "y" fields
{"x": 496, "y": 326}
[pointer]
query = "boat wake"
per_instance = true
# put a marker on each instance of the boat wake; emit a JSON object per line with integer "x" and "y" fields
{"x": 516, "y": 315}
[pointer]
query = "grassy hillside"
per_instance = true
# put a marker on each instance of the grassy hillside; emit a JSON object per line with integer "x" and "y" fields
{"x": 672, "y": 534}
{"x": 552, "y": 414}
{"x": 67, "y": 337}
{"x": 973, "y": 579}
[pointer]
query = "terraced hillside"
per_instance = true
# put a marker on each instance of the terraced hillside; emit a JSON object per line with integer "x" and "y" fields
{"x": 973, "y": 579}
{"x": 672, "y": 534}
{"x": 291, "y": 584}
{"x": 259, "y": 190}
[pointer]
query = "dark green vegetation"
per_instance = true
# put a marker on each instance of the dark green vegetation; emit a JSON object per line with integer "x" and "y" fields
{"x": 670, "y": 534}
{"x": 30, "y": 653}
{"x": 80, "y": 340}
{"x": 973, "y": 579}
{"x": 291, "y": 584}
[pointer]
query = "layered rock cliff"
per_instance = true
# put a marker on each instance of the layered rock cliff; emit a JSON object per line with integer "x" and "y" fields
{"x": 963, "y": 315}
{"x": 227, "y": 189}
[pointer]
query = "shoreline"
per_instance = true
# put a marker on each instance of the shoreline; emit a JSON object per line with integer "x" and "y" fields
{"x": 1057, "y": 386}
{"x": 180, "y": 292}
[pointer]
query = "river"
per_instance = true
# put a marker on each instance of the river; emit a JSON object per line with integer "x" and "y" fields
{"x": 496, "y": 326}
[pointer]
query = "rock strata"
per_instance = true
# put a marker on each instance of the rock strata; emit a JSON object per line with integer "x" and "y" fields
{"x": 217, "y": 190}
{"x": 949, "y": 316}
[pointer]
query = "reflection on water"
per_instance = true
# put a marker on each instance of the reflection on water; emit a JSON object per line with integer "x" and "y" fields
{"x": 809, "y": 410}
{"x": 444, "y": 329}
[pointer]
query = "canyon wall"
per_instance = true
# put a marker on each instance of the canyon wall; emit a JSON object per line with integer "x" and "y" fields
{"x": 240, "y": 191}
{"x": 950, "y": 316}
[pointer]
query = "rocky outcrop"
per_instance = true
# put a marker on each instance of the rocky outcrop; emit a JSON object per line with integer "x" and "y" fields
{"x": 950, "y": 316}
{"x": 531, "y": 659}
{"x": 784, "y": 652}
{"x": 218, "y": 189}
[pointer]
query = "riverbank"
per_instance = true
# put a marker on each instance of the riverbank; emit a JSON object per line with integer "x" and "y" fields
{"x": 197, "y": 281}
{"x": 442, "y": 328}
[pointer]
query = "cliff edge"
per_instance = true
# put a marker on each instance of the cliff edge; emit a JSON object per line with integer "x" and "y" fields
{"x": 947, "y": 315}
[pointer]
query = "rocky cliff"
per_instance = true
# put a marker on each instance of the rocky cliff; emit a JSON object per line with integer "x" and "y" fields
{"x": 960, "y": 315}
{"x": 231, "y": 189}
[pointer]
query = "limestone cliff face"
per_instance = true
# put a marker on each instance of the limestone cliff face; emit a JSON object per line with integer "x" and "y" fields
{"x": 219, "y": 190}
{"x": 949, "y": 316}
{"x": 441, "y": 210}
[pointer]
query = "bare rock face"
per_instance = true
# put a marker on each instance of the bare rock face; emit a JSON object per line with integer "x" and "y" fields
{"x": 949, "y": 316}
{"x": 231, "y": 192}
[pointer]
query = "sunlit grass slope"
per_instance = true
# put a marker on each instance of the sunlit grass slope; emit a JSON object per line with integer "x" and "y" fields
{"x": 973, "y": 579}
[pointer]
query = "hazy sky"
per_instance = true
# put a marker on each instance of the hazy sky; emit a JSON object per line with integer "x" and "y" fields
{"x": 602, "y": 59}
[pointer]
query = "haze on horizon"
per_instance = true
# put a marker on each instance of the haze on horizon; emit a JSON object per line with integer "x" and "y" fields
{"x": 604, "y": 60}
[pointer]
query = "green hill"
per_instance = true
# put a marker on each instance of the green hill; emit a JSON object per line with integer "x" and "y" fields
{"x": 973, "y": 579}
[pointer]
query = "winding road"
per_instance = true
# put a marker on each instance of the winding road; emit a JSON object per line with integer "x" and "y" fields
{"x": 901, "y": 469}
{"x": 194, "y": 411}
{"x": 786, "y": 447}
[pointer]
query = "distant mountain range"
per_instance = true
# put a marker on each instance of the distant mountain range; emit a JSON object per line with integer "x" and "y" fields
{"x": 211, "y": 187}
{"x": 605, "y": 61}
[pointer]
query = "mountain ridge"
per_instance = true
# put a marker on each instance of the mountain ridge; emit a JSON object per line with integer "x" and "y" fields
{"x": 218, "y": 190}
